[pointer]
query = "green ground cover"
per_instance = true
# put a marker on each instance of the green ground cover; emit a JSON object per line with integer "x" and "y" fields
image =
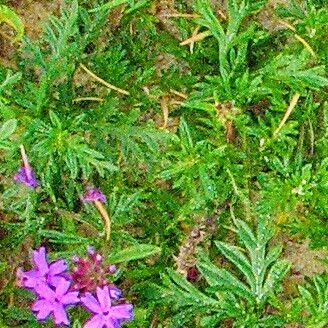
{"x": 203, "y": 123}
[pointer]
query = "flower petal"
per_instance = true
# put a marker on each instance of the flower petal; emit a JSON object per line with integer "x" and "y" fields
{"x": 91, "y": 303}
{"x": 121, "y": 312}
{"x": 60, "y": 314}
{"x": 57, "y": 267}
{"x": 62, "y": 287}
{"x": 114, "y": 292}
{"x": 43, "y": 307}
{"x": 43, "y": 290}
{"x": 30, "y": 279}
{"x": 93, "y": 194}
{"x": 40, "y": 260}
{"x": 26, "y": 176}
{"x": 104, "y": 298}
{"x": 95, "y": 322}
{"x": 70, "y": 298}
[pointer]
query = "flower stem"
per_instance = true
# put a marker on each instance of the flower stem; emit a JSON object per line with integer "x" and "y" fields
{"x": 25, "y": 162}
{"x": 104, "y": 214}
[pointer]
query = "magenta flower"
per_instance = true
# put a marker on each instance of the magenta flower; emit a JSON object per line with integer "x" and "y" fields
{"x": 53, "y": 302}
{"x": 25, "y": 174}
{"x": 93, "y": 194}
{"x": 106, "y": 315}
{"x": 43, "y": 271}
{"x": 90, "y": 273}
{"x": 112, "y": 268}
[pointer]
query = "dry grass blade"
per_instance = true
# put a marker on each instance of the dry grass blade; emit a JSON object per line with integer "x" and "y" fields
{"x": 195, "y": 38}
{"x": 181, "y": 15}
{"x": 165, "y": 110}
{"x": 180, "y": 94}
{"x": 88, "y": 99}
{"x": 100, "y": 80}
{"x": 289, "y": 110}
{"x": 192, "y": 44}
{"x": 297, "y": 37}
{"x": 104, "y": 214}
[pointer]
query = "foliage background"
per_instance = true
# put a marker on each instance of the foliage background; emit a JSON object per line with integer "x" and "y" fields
{"x": 191, "y": 160}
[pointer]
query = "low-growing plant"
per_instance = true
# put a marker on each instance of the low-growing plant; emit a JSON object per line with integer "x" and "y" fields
{"x": 133, "y": 125}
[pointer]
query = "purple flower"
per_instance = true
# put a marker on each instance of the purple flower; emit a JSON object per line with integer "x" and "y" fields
{"x": 91, "y": 250}
{"x": 90, "y": 272}
{"x": 93, "y": 194}
{"x": 112, "y": 268}
{"x": 106, "y": 315}
{"x": 25, "y": 174}
{"x": 43, "y": 271}
{"x": 114, "y": 292}
{"x": 54, "y": 301}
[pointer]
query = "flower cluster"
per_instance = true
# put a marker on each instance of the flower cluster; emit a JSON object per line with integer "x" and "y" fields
{"x": 56, "y": 288}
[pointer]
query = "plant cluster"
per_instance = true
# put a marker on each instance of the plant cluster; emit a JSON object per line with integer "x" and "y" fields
{"x": 203, "y": 125}
{"x": 51, "y": 284}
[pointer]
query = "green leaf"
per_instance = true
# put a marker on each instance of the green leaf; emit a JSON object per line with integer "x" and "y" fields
{"x": 275, "y": 275}
{"x": 9, "y": 17}
{"x": 193, "y": 292}
{"x": 308, "y": 299}
{"x": 246, "y": 235}
{"x": 272, "y": 255}
{"x": 8, "y": 129}
{"x": 133, "y": 253}
{"x": 110, "y": 5}
{"x": 223, "y": 278}
{"x": 233, "y": 254}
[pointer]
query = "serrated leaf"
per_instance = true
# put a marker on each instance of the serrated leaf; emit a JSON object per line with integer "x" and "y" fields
{"x": 275, "y": 275}
{"x": 7, "y": 129}
{"x": 188, "y": 287}
{"x": 133, "y": 253}
{"x": 233, "y": 254}
{"x": 9, "y": 17}
{"x": 308, "y": 298}
{"x": 272, "y": 255}
{"x": 223, "y": 278}
{"x": 246, "y": 235}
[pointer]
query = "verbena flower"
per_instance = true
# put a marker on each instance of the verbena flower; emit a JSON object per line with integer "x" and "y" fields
{"x": 25, "y": 174}
{"x": 106, "y": 315}
{"x": 112, "y": 268}
{"x": 43, "y": 271}
{"x": 54, "y": 301}
{"x": 93, "y": 194}
{"x": 90, "y": 273}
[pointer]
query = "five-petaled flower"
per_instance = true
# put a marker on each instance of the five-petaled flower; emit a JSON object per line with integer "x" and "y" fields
{"x": 51, "y": 284}
{"x": 106, "y": 315}
{"x": 53, "y": 301}
{"x": 25, "y": 174}
{"x": 43, "y": 272}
